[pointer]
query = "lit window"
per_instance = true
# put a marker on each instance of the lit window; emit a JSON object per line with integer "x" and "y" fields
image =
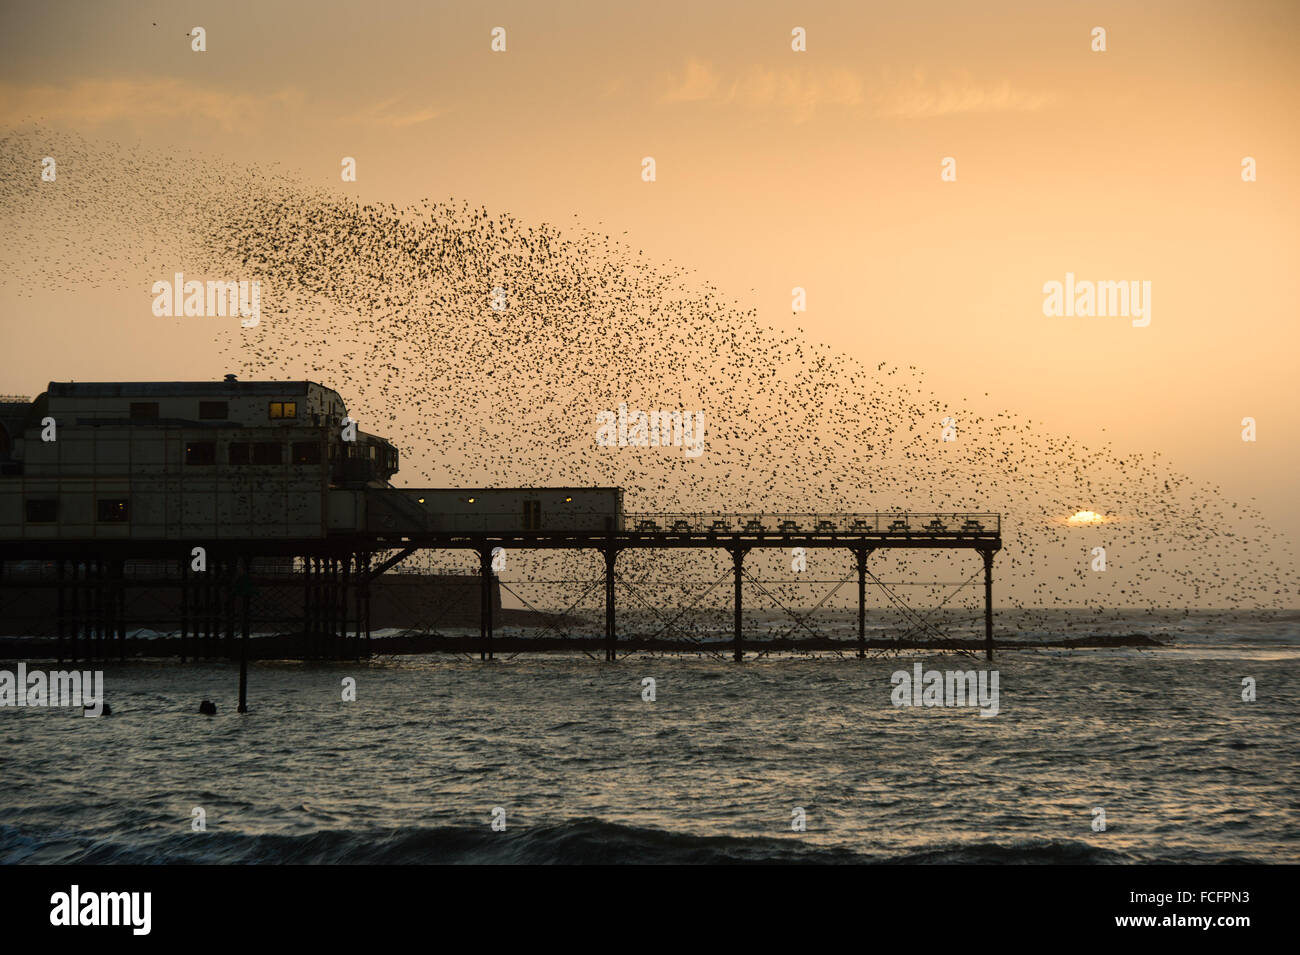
{"x": 201, "y": 452}
{"x": 284, "y": 409}
{"x": 113, "y": 511}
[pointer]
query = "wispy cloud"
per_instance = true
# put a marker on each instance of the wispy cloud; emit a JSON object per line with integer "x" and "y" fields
{"x": 392, "y": 113}
{"x": 697, "y": 82}
{"x": 919, "y": 97}
{"x": 805, "y": 90}
{"x": 148, "y": 100}
{"x": 801, "y": 91}
{"x": 141, "y": 100}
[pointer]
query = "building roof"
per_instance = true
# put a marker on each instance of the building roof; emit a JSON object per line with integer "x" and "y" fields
{"x": 163, "y": 389}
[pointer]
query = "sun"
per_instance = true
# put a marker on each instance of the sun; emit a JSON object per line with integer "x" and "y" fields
{"x": 1085, "y": 517}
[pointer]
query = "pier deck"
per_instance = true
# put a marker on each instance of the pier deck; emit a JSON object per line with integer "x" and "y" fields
{"x": 336, "y": 570}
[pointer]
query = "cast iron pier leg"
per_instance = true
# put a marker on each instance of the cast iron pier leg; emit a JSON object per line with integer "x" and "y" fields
{"x": 246, "y": 591}
{"x": 611, "y": 639}
{"x": 62, "y": 610}
{"x": 738, "y": 558}
{"x": 185, "y": 602}
{"x": 861, "y": 554}
{"x": 485, "y": 612}
{"x": 988, "y": 604}
{"x": 365, "y": 604}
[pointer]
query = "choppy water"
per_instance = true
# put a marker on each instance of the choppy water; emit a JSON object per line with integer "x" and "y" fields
{"x": 711, "y": 771}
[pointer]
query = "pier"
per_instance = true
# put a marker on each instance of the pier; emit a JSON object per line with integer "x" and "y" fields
{"x": 218, "y": 509}
{"x": 90, "y": 582}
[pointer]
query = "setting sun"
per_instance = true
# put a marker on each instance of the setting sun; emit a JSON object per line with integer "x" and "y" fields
{"x": 1086, "y": 517}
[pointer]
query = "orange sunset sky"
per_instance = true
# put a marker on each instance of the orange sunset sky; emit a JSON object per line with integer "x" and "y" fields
{"x": 775, "y": 169}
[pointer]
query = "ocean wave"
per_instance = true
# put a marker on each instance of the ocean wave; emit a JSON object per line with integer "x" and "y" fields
{"x": 574, "y": 842}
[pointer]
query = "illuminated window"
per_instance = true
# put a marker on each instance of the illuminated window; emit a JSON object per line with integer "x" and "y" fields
{"x": 284, "y": 409}
{"x": 201, "y": 452}
{"x": 113, "y": 510}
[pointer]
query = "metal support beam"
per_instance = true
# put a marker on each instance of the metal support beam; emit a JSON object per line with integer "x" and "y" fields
{"x": 344, "y": 596}
{"x": 738, "y": 559}
{"x": 397, "y": 558}
{"x": 331, "y": 607}
{"x": 62, "y": 570}
{"x": 988, "y": 603}
{"x": 485, "y": 608}
{"x": 229, "y": 571}
{"x": 76, "y": 606}
{"x": 185, "y": 602}
{"x": 611, "y": 639}
{"x": 862, "y": 553}
{"x": 119, "y": 608}
{"x": 365, "y": 604}
{"x": 246, "y": 594}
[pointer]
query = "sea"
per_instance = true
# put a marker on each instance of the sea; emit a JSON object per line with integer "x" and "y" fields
{"x": 1182, "y": 753}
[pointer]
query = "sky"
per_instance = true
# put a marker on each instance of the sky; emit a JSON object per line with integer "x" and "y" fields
{"x": 775, "y": 169}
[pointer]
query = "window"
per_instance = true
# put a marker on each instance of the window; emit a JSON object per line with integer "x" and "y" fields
{"x": 42, "y": 510}
{"x": 306, "y": 452}
{"x": 220, "y": 410}
{"x": 266, "y": 452}
{"x": 239, "y": 452}
{"x": 113, "y": 510}
{"x": 144, "y": 409}
{"x": 284, "y": 409}
{"x": 201, "y": 452}
{"x": 532, "y": 515}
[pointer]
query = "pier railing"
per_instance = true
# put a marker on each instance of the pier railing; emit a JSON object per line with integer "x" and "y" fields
{"x": 768, "y": 524}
